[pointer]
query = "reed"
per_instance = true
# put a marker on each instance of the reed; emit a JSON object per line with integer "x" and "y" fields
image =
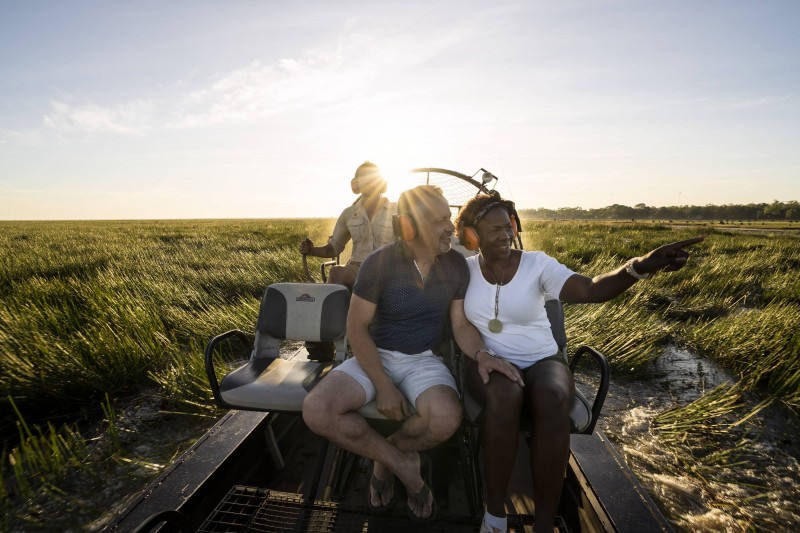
{"x": 44, "y": 456}
{"x": 95, "y": 310}
{"x": 104, "y": 309}
{"x": 737, "y": 304}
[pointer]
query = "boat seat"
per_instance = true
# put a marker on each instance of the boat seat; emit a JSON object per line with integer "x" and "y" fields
{"x": 584, "y": 413}
{"x": 270, "y": 382}
{"x": 276, "y": 379}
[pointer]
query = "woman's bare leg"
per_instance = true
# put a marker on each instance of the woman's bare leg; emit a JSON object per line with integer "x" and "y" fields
{"x": 502, "y": 402}
{"x": 550, "y": 390}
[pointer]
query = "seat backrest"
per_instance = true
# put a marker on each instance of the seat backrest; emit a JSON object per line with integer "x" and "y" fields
{"x": 555, "y": 313}
{"x": 300, "y": 312}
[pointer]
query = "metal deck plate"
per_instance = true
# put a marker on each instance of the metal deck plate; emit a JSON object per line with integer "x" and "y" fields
{"x": 250, "y": 509}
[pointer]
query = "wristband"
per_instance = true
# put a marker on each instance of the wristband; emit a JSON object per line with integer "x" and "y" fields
{"x": 488, "y": 352}
{"x": 632, "y": 271}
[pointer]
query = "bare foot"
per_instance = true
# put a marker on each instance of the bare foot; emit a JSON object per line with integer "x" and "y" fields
{"x": 421, "y": 502}
{"x": 381, "y": 487}
{"x": 409, "y": 472}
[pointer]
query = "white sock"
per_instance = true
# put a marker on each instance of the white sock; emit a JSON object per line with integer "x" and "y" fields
{"x": 495, "y": 522}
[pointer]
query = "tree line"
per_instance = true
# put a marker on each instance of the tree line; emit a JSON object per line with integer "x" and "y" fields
{"x": 773, "y": 211}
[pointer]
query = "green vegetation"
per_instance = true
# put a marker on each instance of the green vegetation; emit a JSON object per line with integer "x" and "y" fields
{"x": 122, "y": 309}
{"x": 776, "y": 211}
{"x": 97, "y": 315}
{"x": 736, "y": 304}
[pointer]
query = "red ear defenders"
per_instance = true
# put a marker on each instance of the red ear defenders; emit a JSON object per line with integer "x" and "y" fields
{"x": 469, "y": 235}
{"x": 404, "y": 227}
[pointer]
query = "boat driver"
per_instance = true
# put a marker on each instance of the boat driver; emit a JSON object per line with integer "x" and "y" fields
{"x": 368, "y": 222}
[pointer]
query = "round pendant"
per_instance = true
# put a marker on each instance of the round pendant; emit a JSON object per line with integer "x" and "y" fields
{"x": 495, "y": 326}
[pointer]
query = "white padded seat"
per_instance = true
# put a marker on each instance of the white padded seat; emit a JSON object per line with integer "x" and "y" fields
{"x": 271, "y": 381}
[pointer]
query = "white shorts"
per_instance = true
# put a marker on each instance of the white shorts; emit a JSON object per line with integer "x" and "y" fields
{"x": 411, "y": 374}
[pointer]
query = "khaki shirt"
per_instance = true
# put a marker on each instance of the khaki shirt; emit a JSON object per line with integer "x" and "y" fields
{"x": 367, "y": 235}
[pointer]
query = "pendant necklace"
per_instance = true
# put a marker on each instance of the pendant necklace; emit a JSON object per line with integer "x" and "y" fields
{"x": 495, "y": 326}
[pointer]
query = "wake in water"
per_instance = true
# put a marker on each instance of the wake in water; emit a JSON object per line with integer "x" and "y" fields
{"x": 746, "y": 482}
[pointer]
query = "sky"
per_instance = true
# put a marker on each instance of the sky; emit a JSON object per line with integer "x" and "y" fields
{"x": 263, "y": 109}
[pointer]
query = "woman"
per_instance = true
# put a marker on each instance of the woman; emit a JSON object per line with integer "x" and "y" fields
{"x": 505, "y": 301}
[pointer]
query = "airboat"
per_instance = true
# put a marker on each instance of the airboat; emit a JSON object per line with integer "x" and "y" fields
{"x": 259, "y": 469}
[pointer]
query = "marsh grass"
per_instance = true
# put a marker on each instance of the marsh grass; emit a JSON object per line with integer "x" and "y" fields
{"x": 93, "y": 312}
{"x": 737, "y": 304}
{"x": 94, "y": 308}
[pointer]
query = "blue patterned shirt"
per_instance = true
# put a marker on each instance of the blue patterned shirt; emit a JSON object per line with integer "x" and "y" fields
{"x": 410, "y": 314}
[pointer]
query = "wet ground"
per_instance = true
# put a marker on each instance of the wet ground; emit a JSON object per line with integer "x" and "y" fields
{"x": 759, "y": 487}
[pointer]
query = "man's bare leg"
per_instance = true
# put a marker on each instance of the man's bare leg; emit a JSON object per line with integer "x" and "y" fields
{"x": 329, "y": 410}
{"x": 438, "y": 417}
{"x": 343, "y": 275}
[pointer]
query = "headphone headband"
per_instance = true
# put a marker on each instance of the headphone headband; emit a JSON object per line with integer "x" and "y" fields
{"x": 508, "y": 205}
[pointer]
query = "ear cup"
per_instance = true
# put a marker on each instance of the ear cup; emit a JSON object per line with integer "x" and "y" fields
{"x": 471, "y": 241}
{"x": 404, "y": 227}
{"x": 469, "y": 238}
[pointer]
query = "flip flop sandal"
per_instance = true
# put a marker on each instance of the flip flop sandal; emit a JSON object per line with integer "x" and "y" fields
{"x": 381, "y": 486}
{"x": 421, "y": 498}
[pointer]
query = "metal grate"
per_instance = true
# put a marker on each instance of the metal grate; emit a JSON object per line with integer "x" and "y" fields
{"x": 236, "y": 510}
{"x": 249, "y": 509}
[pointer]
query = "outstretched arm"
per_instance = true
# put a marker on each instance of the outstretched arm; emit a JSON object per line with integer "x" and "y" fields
{"x": 669, "y": 258}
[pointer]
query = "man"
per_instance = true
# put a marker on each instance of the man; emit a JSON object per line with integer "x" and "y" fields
{"x": 400, "y": 301}
{"x": 368, "y": 222}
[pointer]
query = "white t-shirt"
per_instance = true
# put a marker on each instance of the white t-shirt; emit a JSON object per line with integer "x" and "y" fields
{"x": 526, "y": 336}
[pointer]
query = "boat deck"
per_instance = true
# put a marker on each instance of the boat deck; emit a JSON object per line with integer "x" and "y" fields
{"x": 264, "y": 510}
{"x": 322, "y": 488}
{"x": 229, "y": 481}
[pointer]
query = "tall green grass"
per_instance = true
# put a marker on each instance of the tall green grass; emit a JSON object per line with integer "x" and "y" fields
{"x": 736, "y": 303}
{"x": 91, "y": 309}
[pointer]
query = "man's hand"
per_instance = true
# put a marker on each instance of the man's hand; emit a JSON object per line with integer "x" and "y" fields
{"x": 669, "y": 258}
{"x": 488, "y": 364}
{"x": 391, "y": 403}
{"x": 306, "y": 246}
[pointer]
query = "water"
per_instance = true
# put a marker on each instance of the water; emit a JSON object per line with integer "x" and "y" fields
{"x": 762, "y": 489}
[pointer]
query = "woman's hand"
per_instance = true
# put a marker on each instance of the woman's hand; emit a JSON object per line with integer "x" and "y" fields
{"x": 669, "y": 258}
{"x": 488, "y": 364}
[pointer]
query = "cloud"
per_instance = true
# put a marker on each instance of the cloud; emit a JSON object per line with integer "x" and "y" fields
{"x": 134, "y": 118}
{"x": 357, "y": 67}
